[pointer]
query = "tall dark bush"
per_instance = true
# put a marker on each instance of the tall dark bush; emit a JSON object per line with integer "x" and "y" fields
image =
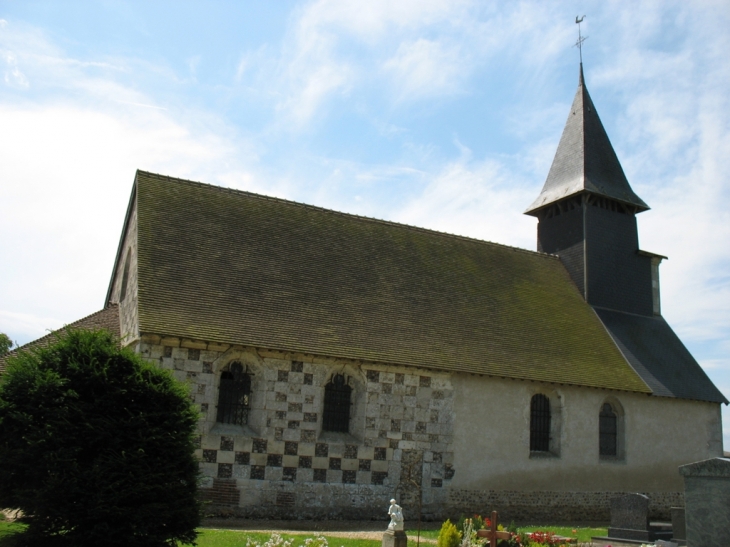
{"x": 96, "y": 446}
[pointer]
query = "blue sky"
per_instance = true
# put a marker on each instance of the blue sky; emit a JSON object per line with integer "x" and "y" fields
{"x": 442, "y": 114}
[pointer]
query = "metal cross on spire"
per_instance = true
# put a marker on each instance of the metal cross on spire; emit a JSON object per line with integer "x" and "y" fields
{"x": 581, "y": 39}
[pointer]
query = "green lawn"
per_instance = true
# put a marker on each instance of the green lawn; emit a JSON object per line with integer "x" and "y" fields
{"x": 7, "y": 531}
{"x": 237, "y": 538}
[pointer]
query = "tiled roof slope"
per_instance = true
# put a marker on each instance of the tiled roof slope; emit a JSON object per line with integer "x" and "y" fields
{"x": 585, "y": 160}
{"x": 230, "y": 266}
{"x": 107, "y": 318}
{"x": 659, "y": 356}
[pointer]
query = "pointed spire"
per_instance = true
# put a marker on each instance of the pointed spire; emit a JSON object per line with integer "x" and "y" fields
{"x": 585, "y": 161}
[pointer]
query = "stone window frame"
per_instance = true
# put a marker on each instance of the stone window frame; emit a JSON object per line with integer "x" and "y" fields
{"x": 355, "y": 378}
{"x": 328, "y": 411}
{"x": 618, "y": 410}
{"x": 256, "y": 416}
{"x": 555, "y": 400}
{"x": 246, "y": 385}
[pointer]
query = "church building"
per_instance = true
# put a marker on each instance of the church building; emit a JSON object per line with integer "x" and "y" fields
{"x": 339, "y": 361}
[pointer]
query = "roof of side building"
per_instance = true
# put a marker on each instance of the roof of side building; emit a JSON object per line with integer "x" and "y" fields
{"x": 107, "y": 318}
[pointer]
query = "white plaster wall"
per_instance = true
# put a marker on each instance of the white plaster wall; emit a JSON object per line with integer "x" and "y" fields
{"x": 491, "y": 438}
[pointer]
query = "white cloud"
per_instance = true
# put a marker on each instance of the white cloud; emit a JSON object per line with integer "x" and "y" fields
{"x": 424, "y": 68}
{"x": 371, "y": 21}
{"x": 12, "y": 75}
{"x": 314, "y": 87}
{"x": 478, "y": 199}
{"x": 68, "y": 167}
{"x": 673, "y": 140}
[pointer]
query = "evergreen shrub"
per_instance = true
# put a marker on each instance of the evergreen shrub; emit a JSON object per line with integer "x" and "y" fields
{"x": 449, "y": 536}
{"x": 97, "y": 446}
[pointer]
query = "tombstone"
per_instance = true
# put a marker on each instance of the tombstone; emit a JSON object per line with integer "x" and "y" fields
{"x": 630, "y": 520}
{"x": 630, "y": 517}
{"x": 679, "y": 529}
{"x": 707, "y": 502}
{"x": 395, "y": 536}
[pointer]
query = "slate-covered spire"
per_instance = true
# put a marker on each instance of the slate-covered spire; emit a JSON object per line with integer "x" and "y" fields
{"x": 585, "y": 161}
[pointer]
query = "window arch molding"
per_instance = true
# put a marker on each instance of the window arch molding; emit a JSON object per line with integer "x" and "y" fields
{"x": 544, "y": 411}
{"x": 611, "y": 430}
{"x": 337, "y": 407}
{"x": 221, "y": 369}
{"x": 234, "y": 395}
{"x": 355, "y": 379}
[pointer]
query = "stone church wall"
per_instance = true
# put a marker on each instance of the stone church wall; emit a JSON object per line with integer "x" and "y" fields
{"x": 282, "y": 462}
{"x": 124, "y": 288}
{"x": 459, "y": 439}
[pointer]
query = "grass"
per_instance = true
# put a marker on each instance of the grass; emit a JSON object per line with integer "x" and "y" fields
{"x": 237, "y": 538}
{"x": 8, "y": 531}
{"x": 210, "y": 537}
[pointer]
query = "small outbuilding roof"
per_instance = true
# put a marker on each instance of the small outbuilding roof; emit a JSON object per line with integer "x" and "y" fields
{"x": 108, "y": 318}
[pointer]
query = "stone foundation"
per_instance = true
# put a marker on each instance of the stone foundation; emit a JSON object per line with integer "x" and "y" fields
{"x": 358, "y": 502}
{"x": 552, "y": 506}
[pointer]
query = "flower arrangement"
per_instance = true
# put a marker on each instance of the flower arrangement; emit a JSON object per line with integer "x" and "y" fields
{"x": 544, "y": 538}
{"x": 277, "y": 541}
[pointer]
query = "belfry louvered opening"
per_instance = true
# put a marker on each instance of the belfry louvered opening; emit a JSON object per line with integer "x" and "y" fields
{"x": 234, "y": 395}
{"x": 540, "y": 423}
{"x": 336, "y": 415}
{"x": 607, "y": 431}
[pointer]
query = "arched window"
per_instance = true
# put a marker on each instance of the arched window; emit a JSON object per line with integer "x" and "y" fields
{"x": 540, "y": 423}
{"x": 233, "y": 395}
{"x": 336, "y": 415}
{"x": 607, "y": 431}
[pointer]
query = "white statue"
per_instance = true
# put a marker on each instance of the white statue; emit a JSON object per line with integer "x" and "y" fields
{"x": 396, "y": 516}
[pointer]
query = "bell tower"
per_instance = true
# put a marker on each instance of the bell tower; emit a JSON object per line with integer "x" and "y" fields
{"x": 586, "y": 215}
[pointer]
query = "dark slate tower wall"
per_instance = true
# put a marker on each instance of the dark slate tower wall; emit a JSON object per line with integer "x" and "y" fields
{"x": 587, "y": 215}
{"x": 618, "y": 277}
{"x": 599, "y": 248}
{"x": 563, "y": 235}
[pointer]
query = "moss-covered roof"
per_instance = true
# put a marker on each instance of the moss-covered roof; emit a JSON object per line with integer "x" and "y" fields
{"x": 234, "y": 267}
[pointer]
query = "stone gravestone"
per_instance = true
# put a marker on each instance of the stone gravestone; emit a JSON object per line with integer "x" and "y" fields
{"x": 707, "y": 502}
{"x": 395, "y": 536}
{"x": 679, "y": 530}
{"x": 630, "y": 517}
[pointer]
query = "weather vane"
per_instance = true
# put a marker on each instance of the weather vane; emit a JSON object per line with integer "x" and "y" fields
{"x": 581, "y": 39}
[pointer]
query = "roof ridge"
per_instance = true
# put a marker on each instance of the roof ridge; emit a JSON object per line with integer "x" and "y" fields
{"x": 342, "y": 213}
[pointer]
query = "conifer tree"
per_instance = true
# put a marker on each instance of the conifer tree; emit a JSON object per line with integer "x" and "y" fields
{"x": 96, "y": 446}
